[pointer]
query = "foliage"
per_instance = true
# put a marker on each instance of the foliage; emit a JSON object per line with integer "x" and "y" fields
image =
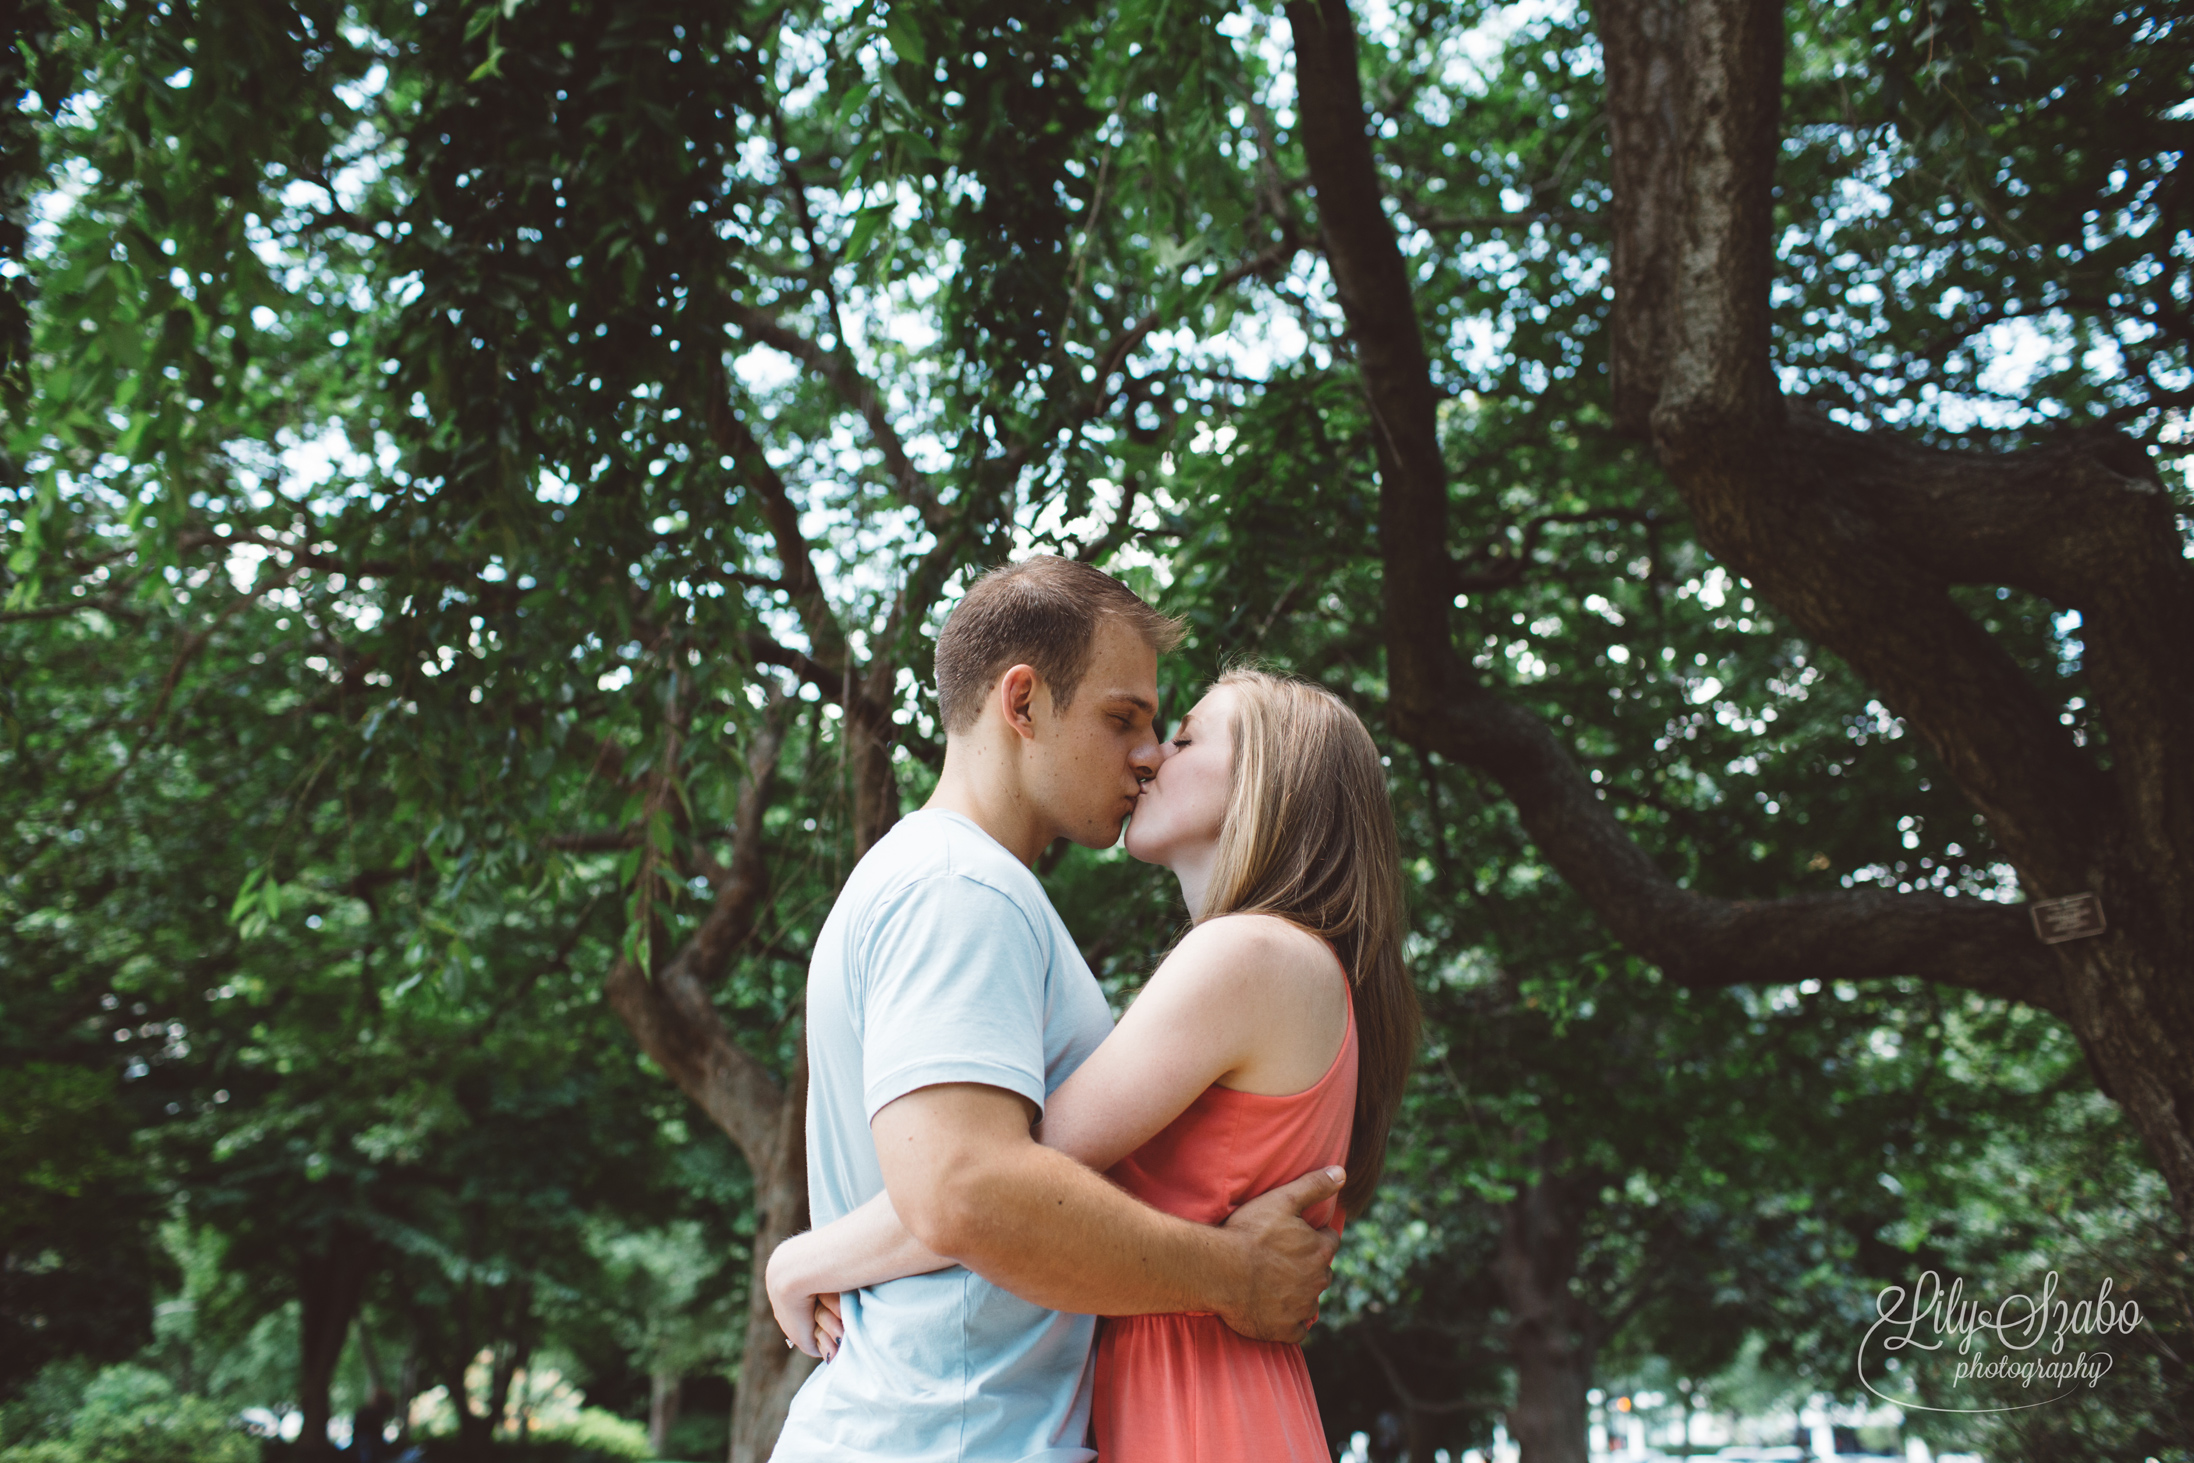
{"x": 2071, "y": 1196}
{"x": 603, "y": 1433}
{"x": 463, "y": 434}
{"x": 129, "y": 1415}
{"x": 75, "y": 1221}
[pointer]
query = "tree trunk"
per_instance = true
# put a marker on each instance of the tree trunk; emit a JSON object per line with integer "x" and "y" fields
{"x": 663, "y": 1392}
{"x": 376, "y": 1378}
{"x": 674, "y": 1018}
{"x": 407, "y": 1390}
{"x": 380, "y": 1402}
{"x": 1551, "y": 1334}
{"x": 331, "y": 1284}
{"x": 509, "y": 1360}
{"x": 769, "y": 1371}
{"x": 875, "y": 787}
{"x": 475, "y": 1431}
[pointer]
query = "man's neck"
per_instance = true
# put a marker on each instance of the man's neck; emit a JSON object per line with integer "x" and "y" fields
{"x": 978, "y": 784}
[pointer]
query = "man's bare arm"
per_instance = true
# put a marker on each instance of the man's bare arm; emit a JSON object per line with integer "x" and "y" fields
{"x": 972, "y": 1184}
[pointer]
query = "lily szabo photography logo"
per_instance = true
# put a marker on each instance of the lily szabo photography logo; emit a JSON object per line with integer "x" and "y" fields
{"x": 1936, "y": 1342}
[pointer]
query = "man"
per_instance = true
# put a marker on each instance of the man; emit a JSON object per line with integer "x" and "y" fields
{"x": 945, "y": 1002}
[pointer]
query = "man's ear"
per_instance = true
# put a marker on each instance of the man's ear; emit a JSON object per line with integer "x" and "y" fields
{"x": 1017, "y": 697}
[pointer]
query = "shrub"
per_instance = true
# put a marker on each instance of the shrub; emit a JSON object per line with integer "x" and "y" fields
{"x": 130, "y": 1415}
{"x": 599, "y": 1431}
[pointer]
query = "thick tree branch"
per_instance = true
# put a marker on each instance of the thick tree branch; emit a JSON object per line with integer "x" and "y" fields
{"x": 1692, "y": 110}
{"x": 1703, "y": 941}
{"x": 1856, "y": 536}
{"x": 1373, "y": 282}
{"x": 1858, "y": 541}
{"x": 2083, "y": 522}
{"x": 673, "y": 1014}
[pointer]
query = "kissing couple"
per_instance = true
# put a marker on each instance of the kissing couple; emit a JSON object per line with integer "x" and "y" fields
{"x": 993, "y": 1165}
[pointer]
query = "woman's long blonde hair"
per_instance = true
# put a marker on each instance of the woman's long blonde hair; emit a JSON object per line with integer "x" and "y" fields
{"x": 1309, "y": 837}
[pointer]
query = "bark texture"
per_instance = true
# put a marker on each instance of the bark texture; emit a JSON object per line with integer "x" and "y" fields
{"x": 1857, "y": 538}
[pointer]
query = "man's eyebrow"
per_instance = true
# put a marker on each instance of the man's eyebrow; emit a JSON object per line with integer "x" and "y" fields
{"x": 1141, "y": 703}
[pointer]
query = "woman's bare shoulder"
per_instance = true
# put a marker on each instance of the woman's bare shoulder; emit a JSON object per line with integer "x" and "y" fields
{"x": 1280, "y": 988}
{"x": 1259, "y": 947}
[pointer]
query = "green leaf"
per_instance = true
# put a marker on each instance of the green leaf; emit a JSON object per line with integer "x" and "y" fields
{"x": 866, "y": 225}
{"x": 855, "y": 100}
{"x": 905, "y": 36}
{"x": 247, "y": 897}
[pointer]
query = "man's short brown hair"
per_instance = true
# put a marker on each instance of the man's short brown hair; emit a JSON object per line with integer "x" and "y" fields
{"x": 1042, "y": 612}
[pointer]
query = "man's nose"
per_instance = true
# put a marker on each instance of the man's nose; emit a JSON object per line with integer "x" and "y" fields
{"x": 1147, "y": 754}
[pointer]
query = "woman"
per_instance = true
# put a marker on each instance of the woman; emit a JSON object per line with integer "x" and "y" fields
{"x": 1274, "y": 1039}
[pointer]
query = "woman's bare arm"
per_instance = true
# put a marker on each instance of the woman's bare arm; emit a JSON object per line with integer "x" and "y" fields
{"x": 1246, "y": 1000}
{"x": 866, "y": 1247}
{"x": 1224, "y": 1003}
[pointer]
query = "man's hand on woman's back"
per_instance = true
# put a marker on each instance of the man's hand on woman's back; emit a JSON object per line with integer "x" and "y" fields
{"x": 1286, "y": 1264}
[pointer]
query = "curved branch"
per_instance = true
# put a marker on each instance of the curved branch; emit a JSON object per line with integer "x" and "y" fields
{"x": 735, "y": 439}
{"x": 1703, "y": 941}
{"x": 673, "y": 1015}
{"x": 1437, "y": 702}
{"x": 1373, "y": 282}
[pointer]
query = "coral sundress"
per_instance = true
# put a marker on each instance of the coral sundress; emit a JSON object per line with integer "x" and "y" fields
{"x": 1183, "y": 1388}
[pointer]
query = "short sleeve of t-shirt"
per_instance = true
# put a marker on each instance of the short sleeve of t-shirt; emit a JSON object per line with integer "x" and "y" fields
{"x": 953, "y": 991}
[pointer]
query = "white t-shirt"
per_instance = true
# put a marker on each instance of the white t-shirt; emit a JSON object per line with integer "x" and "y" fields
{"x": 942, "y": 961}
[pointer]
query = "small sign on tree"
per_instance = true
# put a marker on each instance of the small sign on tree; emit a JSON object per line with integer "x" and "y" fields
{"x": 2074, "y": 917}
